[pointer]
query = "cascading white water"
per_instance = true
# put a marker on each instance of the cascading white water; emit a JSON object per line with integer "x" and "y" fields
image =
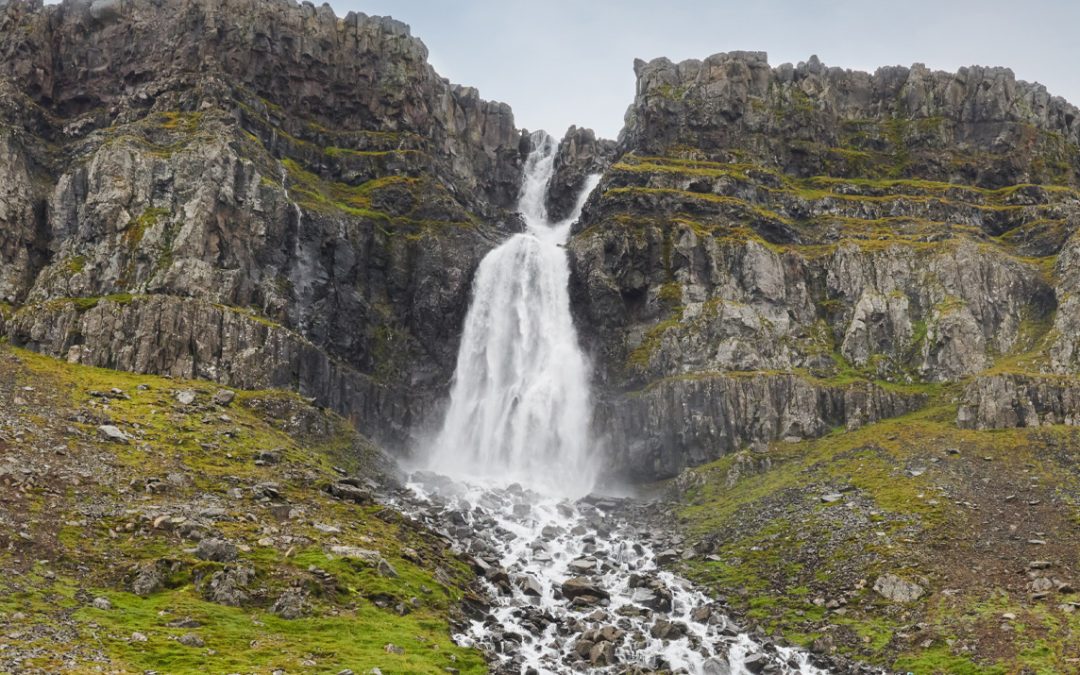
{"x": 520, "y": 405}
{"x": 520, "y": 412}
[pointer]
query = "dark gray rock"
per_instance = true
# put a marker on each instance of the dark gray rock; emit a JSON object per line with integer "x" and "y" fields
{"x": 216, "y": 550}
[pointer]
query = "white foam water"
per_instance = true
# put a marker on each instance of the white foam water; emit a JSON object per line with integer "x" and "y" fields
{"x": 517, "y": 446}
{"x": 534, "y": 544}
{"x": 520, "y": 405}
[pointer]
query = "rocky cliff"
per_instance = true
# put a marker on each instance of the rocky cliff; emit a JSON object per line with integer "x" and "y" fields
{"x": 849, "y": 302}
{"x": 310, "y": 195}
{"x": 873, "y": 233}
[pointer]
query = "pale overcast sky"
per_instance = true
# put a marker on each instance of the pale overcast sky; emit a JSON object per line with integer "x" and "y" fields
{"x": 563, "y": 62}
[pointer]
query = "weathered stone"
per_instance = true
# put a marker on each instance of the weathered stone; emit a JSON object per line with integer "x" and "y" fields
{"x": 373, "y": 558}
{"x": 291, "y": 604}
{"x": 577, "y": 587}
{"x": 897, "y": 589}
{"x": 216, "y": 550}
{"x": 113, "y": 433}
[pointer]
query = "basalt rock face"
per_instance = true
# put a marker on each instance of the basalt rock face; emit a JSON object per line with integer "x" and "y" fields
{"x": 580, "y": 155}
{"x": 309, "y": 169}
{"x": 866, "y": 236}
{"x": 1003, "y": 401}
{"x": 979, "y": 126}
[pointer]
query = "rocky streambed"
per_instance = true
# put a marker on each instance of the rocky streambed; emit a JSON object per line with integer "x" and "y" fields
{"x": 582, "y": 587}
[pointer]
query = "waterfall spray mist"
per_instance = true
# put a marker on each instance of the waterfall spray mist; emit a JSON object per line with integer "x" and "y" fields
{"x": 520, "y": 406}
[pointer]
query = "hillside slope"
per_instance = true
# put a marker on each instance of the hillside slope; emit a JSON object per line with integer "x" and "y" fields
{"x": 166, "y": 525}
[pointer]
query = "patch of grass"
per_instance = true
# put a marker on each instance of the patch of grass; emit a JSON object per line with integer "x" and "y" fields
{"x": 76, "y": 264}
{"x": 136, "y": 230}
{"x": 238, "y": 639}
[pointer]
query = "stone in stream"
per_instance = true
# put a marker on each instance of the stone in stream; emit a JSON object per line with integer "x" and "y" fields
{"x": 583, "y": 647}
{"x": 701, "y": 614}
{"x": 755, "y": 663}
{"x": 529, "y": 585}
{"x": 717, "y": 665}
{"x": 580, "y": 587}
{"x": 643, "y": 596}
{"x": 602, "y": 654}
{"x": 668, "y": 630}
{"x": 583, "y": 566}
{"x": 550, "y": 532}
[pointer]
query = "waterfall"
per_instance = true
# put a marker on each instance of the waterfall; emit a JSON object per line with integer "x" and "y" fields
{"x": 520, "y": 406}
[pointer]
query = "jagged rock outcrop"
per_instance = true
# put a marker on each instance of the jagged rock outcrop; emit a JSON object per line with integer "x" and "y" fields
{"x": 189, "y": 338}
{"x": 347, "y": 73}
{"x": 310, "y": 170}
{"x": 716, "y": 414}
{"x": 1005, "y": 401}
{"x": 979, "y": 125}
{"x": 580, "y": 154}
{"x": 820, "y": 223}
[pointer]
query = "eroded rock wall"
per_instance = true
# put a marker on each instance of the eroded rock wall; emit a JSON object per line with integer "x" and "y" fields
{"x": 311, "y": 172}
{"x": 820, "y": 230}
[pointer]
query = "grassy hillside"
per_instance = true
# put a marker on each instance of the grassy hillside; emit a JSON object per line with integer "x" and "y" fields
{"x": 986, "y": 523}
{"x": 182, "y": 544}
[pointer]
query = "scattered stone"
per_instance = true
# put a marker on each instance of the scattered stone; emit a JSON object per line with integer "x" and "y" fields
{"x": 185, "y": 396}
{"x": 191, "y": 640}
{"x": 292, "y": 604}
{"x": 268, "y": 457}
{"x": 368, "y": 557}
{"x": 832, "y": 498}
{"x": 138, "y": 637}
{"x": 101, "y": 603}
{"x": 113, "y": 433}
{"x": 223, "y": 397}
{"x": 216, "y": 550}
{"x": 391, "y": 648}
{"x": 349, "y": 492}
{"x": 896, "y": 589}
{"x": 229, "y": 586}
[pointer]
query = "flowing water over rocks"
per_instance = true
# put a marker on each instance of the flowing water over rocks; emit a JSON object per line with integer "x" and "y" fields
{"x": 579, "y": 587}
{"x": 572, "y": 586}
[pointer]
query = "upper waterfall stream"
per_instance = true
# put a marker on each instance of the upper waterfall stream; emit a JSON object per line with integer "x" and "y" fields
{"x": 574, "y": 586}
